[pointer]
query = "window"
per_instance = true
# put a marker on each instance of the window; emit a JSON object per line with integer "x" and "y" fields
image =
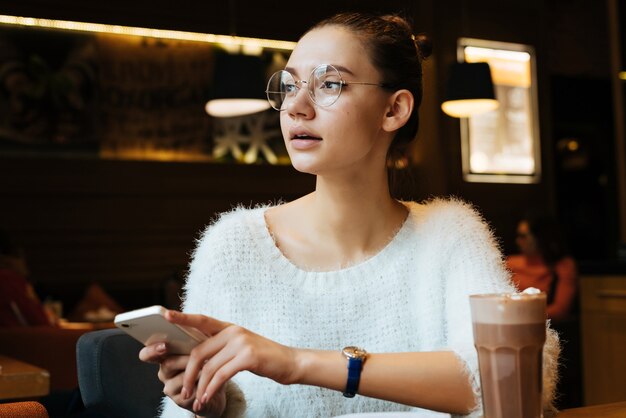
{"x": 502, "y": 146}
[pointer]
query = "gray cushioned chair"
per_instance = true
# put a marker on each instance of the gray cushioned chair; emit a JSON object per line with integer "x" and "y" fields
{"x": 113, "y": 382}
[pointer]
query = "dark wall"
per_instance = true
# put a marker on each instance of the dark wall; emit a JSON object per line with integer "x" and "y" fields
{"x": 128, "y": 225}
{"x": 516, "y": 22}
{"x": 571, "y": 41}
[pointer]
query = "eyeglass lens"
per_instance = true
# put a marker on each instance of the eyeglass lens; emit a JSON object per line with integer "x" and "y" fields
{"x": 324, "y": 87}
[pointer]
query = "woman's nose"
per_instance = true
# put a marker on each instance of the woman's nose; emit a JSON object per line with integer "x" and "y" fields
{"x": 301, "y": 104}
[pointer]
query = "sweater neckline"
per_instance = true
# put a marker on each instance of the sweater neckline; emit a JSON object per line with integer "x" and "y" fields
{"x": 269, "y": 242}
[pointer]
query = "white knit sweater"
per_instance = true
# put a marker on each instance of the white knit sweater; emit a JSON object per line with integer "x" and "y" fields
{"x": 411, "y": 296}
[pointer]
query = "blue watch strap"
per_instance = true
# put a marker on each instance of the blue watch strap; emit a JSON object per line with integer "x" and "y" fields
{"x": 355, "y": 365}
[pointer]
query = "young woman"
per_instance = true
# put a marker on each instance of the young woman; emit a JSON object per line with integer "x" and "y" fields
{"x": 301, "y": 284}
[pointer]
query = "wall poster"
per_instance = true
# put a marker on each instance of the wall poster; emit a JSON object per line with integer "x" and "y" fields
{"x": 503, "y": 146}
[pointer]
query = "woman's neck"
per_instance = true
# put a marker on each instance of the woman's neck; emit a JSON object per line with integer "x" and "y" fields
{"x": 354, "y": 206}
{"x": 340, "y": 224}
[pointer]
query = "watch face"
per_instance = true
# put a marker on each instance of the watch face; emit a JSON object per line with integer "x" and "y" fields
{"x": 354, "y": 352}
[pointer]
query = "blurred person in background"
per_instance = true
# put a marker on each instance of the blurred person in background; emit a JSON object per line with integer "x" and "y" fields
{"x": 19, "y": 304}
{"x": 544, "y": 263}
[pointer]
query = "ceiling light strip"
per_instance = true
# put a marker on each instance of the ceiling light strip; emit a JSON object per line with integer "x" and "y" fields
{"x": 147, "y": 32}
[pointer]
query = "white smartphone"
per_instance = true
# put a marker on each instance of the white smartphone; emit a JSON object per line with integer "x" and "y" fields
{"x": 148, "y": 326}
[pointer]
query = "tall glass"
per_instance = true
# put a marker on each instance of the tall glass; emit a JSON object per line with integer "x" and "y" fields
{"x": 509, "y": 334}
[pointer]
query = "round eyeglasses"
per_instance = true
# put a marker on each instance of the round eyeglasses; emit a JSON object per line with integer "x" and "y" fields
{"x": 324, "y": 86}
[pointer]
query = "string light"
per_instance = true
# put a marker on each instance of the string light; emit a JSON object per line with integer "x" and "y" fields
{"x": 249, "y": 44}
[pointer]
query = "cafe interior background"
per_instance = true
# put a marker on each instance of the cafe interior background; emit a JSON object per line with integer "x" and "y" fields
{"x": 110, "y": 164}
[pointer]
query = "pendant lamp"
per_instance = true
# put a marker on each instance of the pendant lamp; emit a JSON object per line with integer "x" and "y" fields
{"x": 238, "y": 86}
{"x": 469, "y": 90}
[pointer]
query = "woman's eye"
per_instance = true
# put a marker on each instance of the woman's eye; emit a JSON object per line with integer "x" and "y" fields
{"x": 331, "y": 84}
{"x": 289, "y": 88}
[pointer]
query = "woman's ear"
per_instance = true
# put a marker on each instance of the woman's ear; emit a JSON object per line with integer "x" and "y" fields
{"x": 398, "y": 111}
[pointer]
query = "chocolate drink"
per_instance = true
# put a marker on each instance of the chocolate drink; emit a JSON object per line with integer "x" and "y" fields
{"x": 509, "y": 333}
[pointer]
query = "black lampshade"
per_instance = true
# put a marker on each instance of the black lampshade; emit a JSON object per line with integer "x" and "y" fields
{"x": 469, "y": 90}
{"x": 238, "y": 85}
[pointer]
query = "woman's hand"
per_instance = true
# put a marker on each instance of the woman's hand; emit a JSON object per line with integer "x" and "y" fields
{"x": 171, "y": 374}
{"x": 229, "y": 350}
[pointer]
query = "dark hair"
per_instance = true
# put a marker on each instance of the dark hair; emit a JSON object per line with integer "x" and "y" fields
{"x": 398, "y": 55}
{"x": 548, "y": 237}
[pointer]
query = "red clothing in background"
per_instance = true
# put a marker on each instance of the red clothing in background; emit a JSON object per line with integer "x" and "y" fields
{"x": 19, "y": 305}
{"x": 533, "y": 272}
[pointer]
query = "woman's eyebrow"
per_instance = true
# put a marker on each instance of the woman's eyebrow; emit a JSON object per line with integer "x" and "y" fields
{"x": 341, "y": 69}
{"x": 291, "y": 70}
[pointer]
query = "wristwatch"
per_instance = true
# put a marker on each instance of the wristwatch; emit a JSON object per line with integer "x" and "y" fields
{"x": 356, "y": 357}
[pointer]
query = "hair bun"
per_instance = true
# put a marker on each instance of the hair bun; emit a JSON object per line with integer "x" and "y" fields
{"x": 424, "y": 44}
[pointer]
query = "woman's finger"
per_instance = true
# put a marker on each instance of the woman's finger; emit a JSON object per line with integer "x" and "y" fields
{"x": 200, "y": 355}
{"x": 208, "y": 325}
{"x": 172, "y": 366}
{"x": 214, "y": 406}
{"x": 223, "y": 375}
{"x": 173, "y": 385}
{"x": 208, "y": 370}
{"x": 153, "y": 353}
{"x": 172, "y": 388}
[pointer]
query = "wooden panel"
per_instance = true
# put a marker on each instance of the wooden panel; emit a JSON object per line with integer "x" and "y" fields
{"x": 604, "y": 294}
{"x": 604, "y": 360}
{"x": 604, "y": 338}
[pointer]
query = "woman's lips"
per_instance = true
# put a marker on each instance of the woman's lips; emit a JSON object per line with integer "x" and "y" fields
{"x": 304, "y": 142}
{"x": 299, "y": 132}
{"x": 303, "y": 139}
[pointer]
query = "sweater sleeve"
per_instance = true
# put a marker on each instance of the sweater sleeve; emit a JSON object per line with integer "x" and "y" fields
{"x": 208, "y": 260}
{"x": 476, "y": 265}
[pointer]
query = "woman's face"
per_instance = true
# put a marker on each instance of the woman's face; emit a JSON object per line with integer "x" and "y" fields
{"x": 346, "y": 135}
{"x": 525, "y": 239}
